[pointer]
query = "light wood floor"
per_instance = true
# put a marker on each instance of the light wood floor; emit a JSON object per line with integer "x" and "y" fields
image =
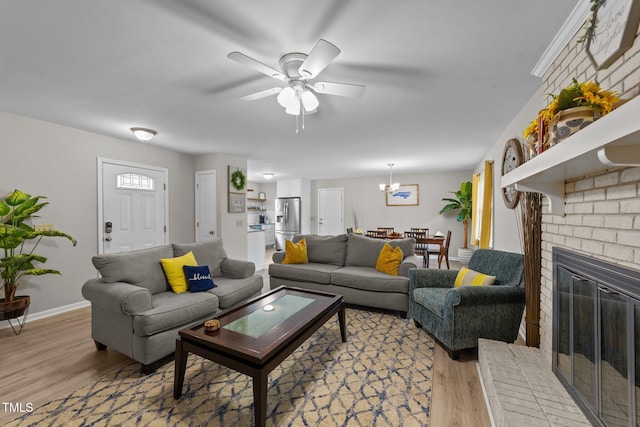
{"x": 54, "y": 356}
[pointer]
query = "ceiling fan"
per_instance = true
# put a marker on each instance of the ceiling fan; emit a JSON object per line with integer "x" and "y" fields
{"x": 297, "y": 70}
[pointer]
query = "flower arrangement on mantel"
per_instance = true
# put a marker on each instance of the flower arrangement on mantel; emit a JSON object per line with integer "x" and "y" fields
{"x": 544, "y": 130}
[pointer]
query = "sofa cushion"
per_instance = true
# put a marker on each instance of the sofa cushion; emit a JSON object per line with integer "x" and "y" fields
{"x": 295, "y": 253}
{"x": 312, "y": 272}
{"x": 233, "y": 291}
{"x": 199, "y": 278}
{"x": 173, "y": 269}
{"x": 431, "y": 298}
{"x": 139, "y": 268}
{"x": 210, "y": 253}
{"x": 389, "y": 260}
{"x": 172, "y": 310}
{"x": 368, "y": 279}
{"x": 363, "y": 251}
{"x": 325, "y": 249}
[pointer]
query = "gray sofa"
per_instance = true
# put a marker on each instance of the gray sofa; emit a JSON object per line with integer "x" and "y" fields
{"x": 345, "y": 265}
{"x": 134, "y": 311}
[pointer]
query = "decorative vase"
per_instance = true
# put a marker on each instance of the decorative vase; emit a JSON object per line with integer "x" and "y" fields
{"x": 15, "y": 308}
{"x": 569, "y": 121}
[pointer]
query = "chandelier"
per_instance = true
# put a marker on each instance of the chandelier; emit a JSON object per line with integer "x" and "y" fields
{"x": 393, "y": 187}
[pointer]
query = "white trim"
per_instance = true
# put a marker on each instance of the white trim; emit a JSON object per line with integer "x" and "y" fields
{"x": 50, "y": 312}
{"x": 574, "y": 22}
{"x": 100, "y": 162}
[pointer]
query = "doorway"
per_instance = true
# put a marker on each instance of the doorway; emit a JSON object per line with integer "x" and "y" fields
{"x": 330, "y": 211}
{"x": 206, "y": 202}
{"x": 132, "y": 206}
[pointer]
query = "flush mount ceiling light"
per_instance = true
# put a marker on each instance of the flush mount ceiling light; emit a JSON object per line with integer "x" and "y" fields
{"x": 393, "y": 186}
{"x": 144, "y": 134}
{"x": 297, "y": 70}
{"x": 267, "y": 175}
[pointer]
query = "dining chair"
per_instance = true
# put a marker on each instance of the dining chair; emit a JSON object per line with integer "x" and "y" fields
{"x": 421, "y": 229}
{"x": 441, "y": 251}
{"x": 376, "y": 234}
{"x": 421, "y": 245}
{"x": 350, "y": 230}
{"x": 387, "y": 230}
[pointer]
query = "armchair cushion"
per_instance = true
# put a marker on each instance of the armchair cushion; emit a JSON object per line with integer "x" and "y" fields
{"x": 467, "y": 277}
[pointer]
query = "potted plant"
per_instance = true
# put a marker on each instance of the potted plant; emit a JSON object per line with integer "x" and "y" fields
{"x": 462, "y": 204}
{"x": 18, "y": 256}
{"x": 575, "y": 107}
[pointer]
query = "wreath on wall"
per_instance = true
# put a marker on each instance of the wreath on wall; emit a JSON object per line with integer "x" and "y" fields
{"x": 238, "y": 180}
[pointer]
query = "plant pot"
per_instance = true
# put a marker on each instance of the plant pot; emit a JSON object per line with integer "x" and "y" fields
{"x": 464, "y": 255}
{"x": 15, "y": 308}
{"x": 569, "y": 121}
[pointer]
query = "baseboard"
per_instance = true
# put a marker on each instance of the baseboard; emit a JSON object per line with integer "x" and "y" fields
{"x": 51, "y": 312}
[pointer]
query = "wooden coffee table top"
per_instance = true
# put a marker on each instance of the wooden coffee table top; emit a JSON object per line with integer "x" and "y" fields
{"x": 255, "y": 334}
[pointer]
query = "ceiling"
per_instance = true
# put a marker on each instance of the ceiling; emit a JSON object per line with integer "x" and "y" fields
{"x": 443, "y": 79}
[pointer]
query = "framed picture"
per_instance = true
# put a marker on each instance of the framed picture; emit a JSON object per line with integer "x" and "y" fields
{"x": 407, "y": 195}
{"x": 617, "y": 24}
{"x": 262, "y": 196}
{"x": 237, "y": 203}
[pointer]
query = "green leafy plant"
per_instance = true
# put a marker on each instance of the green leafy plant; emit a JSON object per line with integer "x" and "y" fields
{"x": 590, "y": 30}
{"x": 461, "y": 204}
{"x": 16, "y": 210}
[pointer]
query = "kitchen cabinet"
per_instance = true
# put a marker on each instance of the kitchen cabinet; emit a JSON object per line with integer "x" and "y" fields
{"x": 293, "y": 188}
{"x": 269, "y": 235}
{"x": 255, "y": 248}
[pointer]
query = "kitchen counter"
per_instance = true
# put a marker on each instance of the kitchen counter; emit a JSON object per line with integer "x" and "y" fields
{"x": 255, "y": 247}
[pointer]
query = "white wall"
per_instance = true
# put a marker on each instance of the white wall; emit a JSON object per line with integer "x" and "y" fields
{"x": 59, "y": 162}
{"x": 506, "y": 222}
{"x": 364, "y": 194}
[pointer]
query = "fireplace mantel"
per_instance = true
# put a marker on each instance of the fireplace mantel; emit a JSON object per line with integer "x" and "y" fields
{"x": 613, "y": 140}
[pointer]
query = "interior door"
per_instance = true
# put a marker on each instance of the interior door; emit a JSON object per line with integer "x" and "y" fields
{"x": 206, "y": 200}
{"x": 133, "y": 206}
{"x": 330, "y": 211}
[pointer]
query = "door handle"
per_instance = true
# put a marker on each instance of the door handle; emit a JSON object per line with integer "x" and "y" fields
{"x": 212, "y": 232}
{"x": 107, "y": 239}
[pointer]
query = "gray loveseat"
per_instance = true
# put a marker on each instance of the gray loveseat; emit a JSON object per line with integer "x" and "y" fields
{"x": 134, "y": 311}
{"x": 345, "y": 265}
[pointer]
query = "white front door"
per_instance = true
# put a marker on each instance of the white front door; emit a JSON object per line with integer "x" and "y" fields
{"x": 330, "y": 211}
{"x": 132, "y": 206}
{"x": 205, "y": 205}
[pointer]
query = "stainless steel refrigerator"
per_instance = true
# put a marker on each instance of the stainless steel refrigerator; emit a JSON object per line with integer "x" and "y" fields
{"x": 288, "y": 220}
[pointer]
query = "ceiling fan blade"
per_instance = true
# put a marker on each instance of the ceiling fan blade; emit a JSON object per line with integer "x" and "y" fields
{"x": 341, "y": 89}
{"x": 256, "y": 65}
{"x": 261, "y": 94}
{"x": 321, "y": 55}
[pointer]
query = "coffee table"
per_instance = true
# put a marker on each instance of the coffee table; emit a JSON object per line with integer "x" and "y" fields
{"x": 254, "y": 338}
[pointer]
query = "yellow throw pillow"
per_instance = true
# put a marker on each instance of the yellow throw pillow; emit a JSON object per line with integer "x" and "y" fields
{"x": 468, "y": 277}
{"x": 175, "y": 274}
{"x": 296, "y": 253}
{"x": 389, "y": 259}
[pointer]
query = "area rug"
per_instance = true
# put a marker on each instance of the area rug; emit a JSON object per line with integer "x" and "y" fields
{"x": 380, "y": 377}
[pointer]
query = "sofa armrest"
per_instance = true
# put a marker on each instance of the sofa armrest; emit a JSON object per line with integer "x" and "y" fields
{"x": 237, "y": 269}
{"x": 484, "y": 295}
{"x": 431, "y": 278}
{"x": 407, "y": 263}
{"x": 117, "y": 297}
{"x": 278, "y": 257}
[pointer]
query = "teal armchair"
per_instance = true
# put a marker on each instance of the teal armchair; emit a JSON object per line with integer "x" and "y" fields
{"x": 457, "y": 317}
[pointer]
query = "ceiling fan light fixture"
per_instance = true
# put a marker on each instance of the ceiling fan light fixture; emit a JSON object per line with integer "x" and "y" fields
{"x": 287, "y": 97}
{"x": 144, "y": 134}
{"x": 294, "y": 109}
{"x": 309, "y": 100}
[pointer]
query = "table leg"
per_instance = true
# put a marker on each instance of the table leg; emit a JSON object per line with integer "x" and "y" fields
{"x": 260, "y": 383}
{"x": 341, "y": 319}
{"x": 180, "y": 368}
